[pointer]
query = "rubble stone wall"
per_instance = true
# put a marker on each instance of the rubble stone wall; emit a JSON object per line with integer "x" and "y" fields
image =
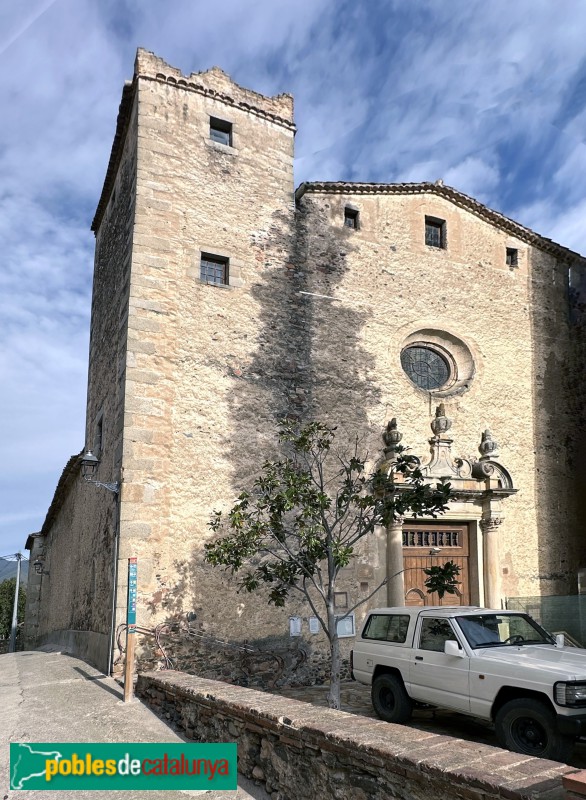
{"x": 296, "y": 750}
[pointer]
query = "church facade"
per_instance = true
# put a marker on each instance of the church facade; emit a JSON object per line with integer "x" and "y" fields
{"x": 224, "y": 300}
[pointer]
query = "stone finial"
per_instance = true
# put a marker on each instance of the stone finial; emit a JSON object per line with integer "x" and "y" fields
{"x": 488, "y": 446}
{"x": 441, "y": 424}
{"x": 392, "y": 437}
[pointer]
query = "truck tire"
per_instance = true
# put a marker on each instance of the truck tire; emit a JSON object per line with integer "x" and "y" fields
{"x": 528, "y": 726}
{"x": 390, "y": 700}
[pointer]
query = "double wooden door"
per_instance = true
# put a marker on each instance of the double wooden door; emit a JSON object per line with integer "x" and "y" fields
{"x": 430, "y": 544}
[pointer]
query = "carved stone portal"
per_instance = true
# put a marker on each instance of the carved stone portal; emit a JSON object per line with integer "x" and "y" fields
{"x": 481, "y": 481}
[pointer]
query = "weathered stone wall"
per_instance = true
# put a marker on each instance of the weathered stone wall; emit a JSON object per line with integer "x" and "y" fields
{"x": 312, "y": 324}
{"x": 190, "y": 378}
{"x": 576, "y": 369}
{"x": 515, "y": 323}
{"x": 190, "y": 394}
{"x": 75, "y": 588}
{"x": 277, "y": 662}
{"x": 75, "y": 599}
{"x": 33, "y": 591}
{"x": 290, "y": 746}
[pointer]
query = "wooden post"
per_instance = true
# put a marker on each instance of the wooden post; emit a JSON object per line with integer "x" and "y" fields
{"x": 130, "y": 632}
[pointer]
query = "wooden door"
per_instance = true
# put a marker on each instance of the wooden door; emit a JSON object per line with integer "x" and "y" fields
{"x": 430, "y": 544}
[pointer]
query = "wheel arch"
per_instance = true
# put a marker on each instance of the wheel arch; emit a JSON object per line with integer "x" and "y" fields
{"x": 507, "y": 693}
{"x": 383, "y": 669}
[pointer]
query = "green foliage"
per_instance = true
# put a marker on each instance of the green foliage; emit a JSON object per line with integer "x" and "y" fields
{"x": 7, "y": 589}
{"x": 300, "y": 523}
{"x": 442, "y": 579}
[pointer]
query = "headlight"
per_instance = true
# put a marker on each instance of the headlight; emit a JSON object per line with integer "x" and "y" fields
{"x": 570, "y": 694}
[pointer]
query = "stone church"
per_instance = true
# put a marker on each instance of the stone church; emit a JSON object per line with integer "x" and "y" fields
{"x": 224, "y": 300}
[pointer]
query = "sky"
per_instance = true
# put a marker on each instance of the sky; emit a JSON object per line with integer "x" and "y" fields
{"x": 488, "y": 96}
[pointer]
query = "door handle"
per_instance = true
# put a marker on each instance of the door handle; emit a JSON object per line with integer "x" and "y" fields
{"x": 418, "y": 658}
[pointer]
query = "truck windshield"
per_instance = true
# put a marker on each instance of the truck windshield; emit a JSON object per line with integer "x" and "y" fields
{"x": 500, "y": 630}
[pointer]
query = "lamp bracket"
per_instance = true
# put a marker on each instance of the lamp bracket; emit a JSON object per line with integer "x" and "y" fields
{"x": 111, "y": 487}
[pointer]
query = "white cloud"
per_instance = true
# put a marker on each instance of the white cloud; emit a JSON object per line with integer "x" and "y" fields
{"x": 487, "y": 96}
{"x": 474, "y": 177}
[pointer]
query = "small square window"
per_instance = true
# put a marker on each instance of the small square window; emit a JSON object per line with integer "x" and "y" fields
{"x": 435, "y": 232}
{"x": 213, "y": 269}
{"x": 350, "y": 218}
{"x": 341, "y": 599}
{"x": 221, "y": 131}
{"x": 512, "y": 257}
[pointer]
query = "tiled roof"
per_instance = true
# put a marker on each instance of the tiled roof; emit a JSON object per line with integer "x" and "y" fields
{"x": 69, "y": 474}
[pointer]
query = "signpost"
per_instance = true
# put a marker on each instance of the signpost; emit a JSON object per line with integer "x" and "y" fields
{"x": 130, "y": 631}
{"x": 12, "y": 645}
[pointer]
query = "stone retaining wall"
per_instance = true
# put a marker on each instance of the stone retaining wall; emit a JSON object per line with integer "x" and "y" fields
{"x": 290, "y": 746}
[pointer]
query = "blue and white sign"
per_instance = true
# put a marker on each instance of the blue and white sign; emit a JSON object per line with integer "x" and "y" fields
{"x": 132, "y": 588}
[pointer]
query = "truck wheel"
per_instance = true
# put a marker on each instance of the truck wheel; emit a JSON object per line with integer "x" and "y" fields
{"x": 390, "y": 700}
{"x": 528, "y": 726}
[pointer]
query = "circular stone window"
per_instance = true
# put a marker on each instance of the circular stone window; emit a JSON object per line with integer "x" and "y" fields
{"x": 436, "y": 361}
{"x": 425, "y": 367}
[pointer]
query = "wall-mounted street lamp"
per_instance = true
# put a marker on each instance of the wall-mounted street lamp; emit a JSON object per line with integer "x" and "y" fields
{"x": 89, "y": 465}
{"x": 38, "y": 565}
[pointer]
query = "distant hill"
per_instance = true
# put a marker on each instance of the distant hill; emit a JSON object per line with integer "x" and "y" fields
{"x": 8, "y": 570}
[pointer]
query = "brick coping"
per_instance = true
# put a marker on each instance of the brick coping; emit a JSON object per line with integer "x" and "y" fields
{"x": 486, "y": 771}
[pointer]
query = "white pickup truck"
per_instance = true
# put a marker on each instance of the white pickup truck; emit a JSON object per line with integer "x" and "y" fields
{"x": 496, "y": 665}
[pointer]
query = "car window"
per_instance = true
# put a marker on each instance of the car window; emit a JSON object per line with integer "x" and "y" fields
{"x": 501, "y": 630}
{"x": 435, "y": 633}
{"x": 387, "y": 627}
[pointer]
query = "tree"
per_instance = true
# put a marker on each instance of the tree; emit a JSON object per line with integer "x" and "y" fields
{"x": 306, "y": 513}
{"x": 7, "y": 589}
{"x": 442, "y": 579}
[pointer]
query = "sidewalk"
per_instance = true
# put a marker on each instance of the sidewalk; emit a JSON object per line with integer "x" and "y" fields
{"x": 52, "y": 697}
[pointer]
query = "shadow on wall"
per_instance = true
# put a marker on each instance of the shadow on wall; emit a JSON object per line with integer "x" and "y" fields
{"x": 186, "y": 642}
{"x": 559, "y": 432}
{"x": 309, "y": 364}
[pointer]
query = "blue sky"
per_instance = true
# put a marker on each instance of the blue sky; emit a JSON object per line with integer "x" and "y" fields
{"x": 489, "y": 96}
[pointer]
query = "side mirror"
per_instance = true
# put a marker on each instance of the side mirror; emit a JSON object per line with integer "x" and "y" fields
{"x": 560, "y": 640}
{"x": 453, "y": 649}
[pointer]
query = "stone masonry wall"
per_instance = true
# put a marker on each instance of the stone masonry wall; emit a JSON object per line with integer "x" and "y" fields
{"x": 296, "y": 750}
{"x": 75, "y": 589}
{"x": 75, "y": 603}
{"x": 190, "y": 343}
{"x": 276, "y": 662}
{"x": 312, "y": 325}
{"x": 189, "y": 379}
{"x": 515, "y": 322}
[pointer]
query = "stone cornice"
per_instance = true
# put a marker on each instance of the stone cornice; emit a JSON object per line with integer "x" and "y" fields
{"x": 449, "y": 193}
{"x": 190, "y": 86}
{"x": 149, "y": 67}
{"x": 122, "y": 123}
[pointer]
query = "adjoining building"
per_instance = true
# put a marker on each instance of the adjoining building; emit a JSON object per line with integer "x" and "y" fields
{"x": 223, "y": 300}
